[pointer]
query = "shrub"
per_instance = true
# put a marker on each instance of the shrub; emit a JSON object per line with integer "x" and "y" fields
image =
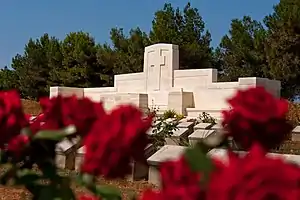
{"x": 206, "y": 118}
{"x": 169, "y": 114}
{"x": 161, "y": 128}
{"x": 179, "y": 116}
{"x": 294, "y": 113}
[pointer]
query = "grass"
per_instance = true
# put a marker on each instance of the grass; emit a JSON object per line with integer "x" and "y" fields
{"x": 31, "y": 107}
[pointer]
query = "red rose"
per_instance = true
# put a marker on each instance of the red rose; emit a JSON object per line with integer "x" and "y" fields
{"x": 257, "y": 116}
{"x": 17, "y": 144}
{"x": 12, "y": 117}
{"x": 114, "y": 140}
{"x": 60, "y": 112}
{"x": 178, "y": 181}
{"x": 255, "y": 176}
{"x": 88, "y": 197}
{"x": 152, "y": 195}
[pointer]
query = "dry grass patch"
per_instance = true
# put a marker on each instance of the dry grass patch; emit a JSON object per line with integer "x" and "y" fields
{"x": 31, "y": 107}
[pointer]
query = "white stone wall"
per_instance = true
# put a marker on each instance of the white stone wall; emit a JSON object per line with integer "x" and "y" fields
{"x": 189, "y": 92}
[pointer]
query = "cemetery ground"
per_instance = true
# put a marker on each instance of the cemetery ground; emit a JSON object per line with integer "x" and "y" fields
{"x": 126, "y": 187}
{"x": 19, "y": 193}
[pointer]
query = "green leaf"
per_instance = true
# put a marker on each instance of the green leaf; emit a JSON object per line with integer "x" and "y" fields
{"x": 48, "y": 192}
{"x": 66, "y": 192}
{"x": 108, "y": 192}
{"x": 49, "y": 170}
{"x": 87, "y": 179}
{"x": 26, "y": 131}
{"x": 55, "y": 135}
{"x": 199, "y": 162}
{"x": 26, "y": 176}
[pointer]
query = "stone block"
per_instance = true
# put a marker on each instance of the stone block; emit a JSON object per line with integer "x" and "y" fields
{"x": 183, "y": 120}
{"x": 167, "y": 152}
{"x": 66, "y": 92}
{"x": 198, "y": 135}
{"x": 203, "y": 126}
{"x": 140, "y": 170}
{"x": 179, "y": 137}
{"x": 188, "y": 125}
{"x": 179, "y": 101}
{"x": 65, "y": 154}
{"x": 217, "y": 127}
{"x": 79, "y": 158}
{"x": 222, "y": 155}
{"x": 296, "y": 134}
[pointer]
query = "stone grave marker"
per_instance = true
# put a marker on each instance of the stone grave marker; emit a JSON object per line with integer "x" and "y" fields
{"x": 65, "y": 154}
{"x": 296, "y": 134}
{"x": 198, "y": 135}
{"x": 223, "y": 155}
{"x": 179, "y": 137}
{"x": 79, "y": 158}
{"x": 203, "y": 126}
{"x": 140, "y": 170}
{"x": 217, "y": 127}
{"x": 167, "y": 152}
{"x": 188, "y": 125}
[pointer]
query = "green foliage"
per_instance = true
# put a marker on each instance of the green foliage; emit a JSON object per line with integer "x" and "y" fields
{"x": 199, "y": 162}
{"x": 161, "y": 128}
{"x": 294, "y": 114}
{"x": 179, "y": 116}
{"x": 56, "y": 135}
{"x": 8, "y": 79}
{"x": 283, "y": 45}
{"x": 206, "y": 118}
{"x": 36, "y": 68}
{"x": 79, "y": 65}
{"x": 169, "y": 114}
{"x": 241, "y": 52}
{"x": 185, "y": 28}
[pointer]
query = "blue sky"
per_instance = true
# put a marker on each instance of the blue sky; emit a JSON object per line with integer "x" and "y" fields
{"x": 21, "y": 20}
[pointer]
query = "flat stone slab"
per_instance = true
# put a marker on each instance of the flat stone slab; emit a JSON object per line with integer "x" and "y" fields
{"x": 185, "y": 125}
{"x": 167, "y": 152}
{"x": 296, "y": 134}
{"x": 217, "y": 127}
{"x": 183, "y": 120}
{"x": 203, "y": 126}
{"x": 200, "y": 134}
{"x": 81, "y": 150}
{"x": 65, "y": 145}
{"x": 296, "y": 130}
{"x": 179, "y": 137}
{"x": 180, "y": 132}
{"x": 223, "y": 156}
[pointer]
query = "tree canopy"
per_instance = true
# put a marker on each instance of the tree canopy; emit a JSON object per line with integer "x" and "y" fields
{"x": 268, "y": 48}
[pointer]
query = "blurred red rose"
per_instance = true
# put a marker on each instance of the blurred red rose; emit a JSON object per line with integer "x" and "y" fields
{"x": 59, "y": 112}
{"x": 88, "y": 197}
{"x": 255, "y": 176}
{"x": 257, "y": 116}
{"x": 12, "y": 117}
{"x": 114, "y": 140}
